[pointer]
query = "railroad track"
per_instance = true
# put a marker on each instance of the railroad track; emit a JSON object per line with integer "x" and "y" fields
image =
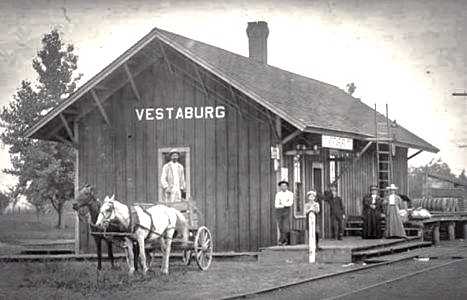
{"x": 454, "y": 256}
{"x": 411, "y": 274}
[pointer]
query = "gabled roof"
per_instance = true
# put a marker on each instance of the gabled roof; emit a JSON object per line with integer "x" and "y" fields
{"x": 307, "y": 104}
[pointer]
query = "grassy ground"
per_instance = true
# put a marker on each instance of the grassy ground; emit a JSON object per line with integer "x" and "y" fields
{"x": 17, "y": 227}
{"x": 78, "y": 280}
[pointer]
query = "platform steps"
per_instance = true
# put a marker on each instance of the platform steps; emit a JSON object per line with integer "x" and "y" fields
{"x": 368, "y": 255}
{"x": 48, "y": 247}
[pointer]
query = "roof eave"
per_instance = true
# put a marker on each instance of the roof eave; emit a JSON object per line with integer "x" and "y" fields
{"x": 91, "y": 83}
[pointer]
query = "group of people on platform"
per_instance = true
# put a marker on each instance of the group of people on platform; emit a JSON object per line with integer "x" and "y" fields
{"x": 375, "y": 209}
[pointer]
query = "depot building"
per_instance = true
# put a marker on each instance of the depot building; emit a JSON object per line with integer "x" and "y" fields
{"x": 241, "y": 126}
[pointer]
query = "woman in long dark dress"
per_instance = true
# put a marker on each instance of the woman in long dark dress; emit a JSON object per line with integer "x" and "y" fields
{"x": 394, "y": 226}
{"x": 372, "y": 210}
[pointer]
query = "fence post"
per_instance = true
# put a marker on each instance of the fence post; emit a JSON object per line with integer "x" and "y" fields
{"x": 311, "y": 238}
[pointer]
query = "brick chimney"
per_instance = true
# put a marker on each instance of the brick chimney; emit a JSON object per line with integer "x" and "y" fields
{"x": 258, "y": 40}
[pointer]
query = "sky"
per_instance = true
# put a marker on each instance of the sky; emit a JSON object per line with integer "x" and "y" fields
{"x": 409, "y": 54}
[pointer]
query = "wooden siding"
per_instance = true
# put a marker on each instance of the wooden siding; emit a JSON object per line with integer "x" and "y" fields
{"x": 232, "y": 177}
{"x": 354, "y": 183}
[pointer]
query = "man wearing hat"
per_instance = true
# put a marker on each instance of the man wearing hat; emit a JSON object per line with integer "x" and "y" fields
{"x": 336, "y": 205}
{"x": 371, "y": 215}
{"x": 394, "y": 225}
{"x": 283, "y": 201}
{"x": 173, "y": 178}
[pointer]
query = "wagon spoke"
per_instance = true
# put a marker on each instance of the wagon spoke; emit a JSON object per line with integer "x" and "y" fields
{"x": 201, "y": 237}
{"x": 206, "y": 243}
{"x": 203, "y": 259}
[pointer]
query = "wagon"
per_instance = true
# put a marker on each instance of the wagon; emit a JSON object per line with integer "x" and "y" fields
{"x": 200, "y": 244}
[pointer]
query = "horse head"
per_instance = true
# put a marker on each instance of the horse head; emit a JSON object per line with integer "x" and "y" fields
{"x": 86, "y": 203}
{"x": 84, "y": 197}
{"x": 107, "y": 212}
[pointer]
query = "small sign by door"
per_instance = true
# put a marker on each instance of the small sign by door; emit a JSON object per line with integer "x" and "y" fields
{"x": 275, "y": 154}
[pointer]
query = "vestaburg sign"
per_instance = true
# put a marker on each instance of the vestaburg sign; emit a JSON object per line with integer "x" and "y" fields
{"x": 180, "y": 113}
{"x": 329, "y": 141}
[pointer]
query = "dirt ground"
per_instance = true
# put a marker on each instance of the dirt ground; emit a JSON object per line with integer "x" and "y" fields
{"x": 78, "y": 280}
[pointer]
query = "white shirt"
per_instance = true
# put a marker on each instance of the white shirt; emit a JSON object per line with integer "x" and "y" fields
{"x": 312, "y": 206}
{"x": 392, "y": 199}
{"x": 373, "y": 199}
{"x": 175, "y": 173}
{"x": 283, "y": 199}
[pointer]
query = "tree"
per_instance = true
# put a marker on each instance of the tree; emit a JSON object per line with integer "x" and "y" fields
{"x": 462, "y": 176}
{"x": 4, "y": 200}
{"x": 417, "y": 176}
{"x": 45, "y": 170}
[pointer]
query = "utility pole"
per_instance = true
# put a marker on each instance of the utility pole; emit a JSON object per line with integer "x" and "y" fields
{"x": 464, "y": 94}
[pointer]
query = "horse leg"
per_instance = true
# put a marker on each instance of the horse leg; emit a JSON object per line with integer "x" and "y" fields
{"x": 136, "y": 255}
{"x": 166, "y": 254}
{"x": 98, "y": 241}
{"x": 130, "y": 259}
{"x": 149, "y": 257}
{"x": 110, "y": 253}
{"x": 142, "y": 252}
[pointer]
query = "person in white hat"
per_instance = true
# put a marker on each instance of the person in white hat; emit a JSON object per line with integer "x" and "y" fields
{"x": 394, "y": 226}
{"x": 173, "y": 178}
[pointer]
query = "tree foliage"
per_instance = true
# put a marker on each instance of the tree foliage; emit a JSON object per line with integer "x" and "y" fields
{"x": 45, "y": 170}
{"x": 417, "y": 176}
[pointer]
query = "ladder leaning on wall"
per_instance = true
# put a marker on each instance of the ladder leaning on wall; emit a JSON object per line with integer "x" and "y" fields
{"x": 384, "y": 146}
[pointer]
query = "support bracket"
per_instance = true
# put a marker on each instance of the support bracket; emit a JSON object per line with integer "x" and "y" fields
{"x": 68, "y": 129}
{"x": 132, "y": 82}
{"x": 415, "y": 154}
{"x": 99, "y": 105}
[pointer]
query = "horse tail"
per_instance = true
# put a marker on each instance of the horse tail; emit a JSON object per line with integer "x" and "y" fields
{"x": 182, "y": 224}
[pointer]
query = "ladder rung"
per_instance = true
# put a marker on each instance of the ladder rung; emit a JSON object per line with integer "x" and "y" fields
{"x": 383, "y": 152}
{"x": 384, "y": 171}
{"x": 384, "y": 161}
{"x": 384, "y": 180}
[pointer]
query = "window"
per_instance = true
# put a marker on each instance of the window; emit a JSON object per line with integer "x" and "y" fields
{"x": 184, "y": 159}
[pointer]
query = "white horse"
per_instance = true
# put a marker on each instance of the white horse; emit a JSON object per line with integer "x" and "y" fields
{"x": 156, "y": 223}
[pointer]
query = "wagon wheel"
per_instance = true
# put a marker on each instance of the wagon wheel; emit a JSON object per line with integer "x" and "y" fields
{"x": 203, "y": 248}
{"x": 186, "y": 257}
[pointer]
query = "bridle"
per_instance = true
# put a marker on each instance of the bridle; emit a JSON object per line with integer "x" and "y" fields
{"x": 87, "y": 204}
{"x": 107, "y": 215}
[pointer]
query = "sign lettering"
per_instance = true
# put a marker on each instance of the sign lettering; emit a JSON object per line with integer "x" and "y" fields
{"x": 336, "y": 142}
{"x": 180, "y": 113}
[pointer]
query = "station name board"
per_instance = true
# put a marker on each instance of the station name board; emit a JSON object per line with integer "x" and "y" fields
{"x": 329, "y": 141}
{"x": 180, "y": 113}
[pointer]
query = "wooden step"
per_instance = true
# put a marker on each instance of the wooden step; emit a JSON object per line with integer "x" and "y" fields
{"x": 48, "y": 247}
{"x": 389, "y": 249}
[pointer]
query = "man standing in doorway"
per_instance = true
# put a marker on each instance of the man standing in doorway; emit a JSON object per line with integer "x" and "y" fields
{"x": 282, "y": 203}
{"x": 173, "y": 178}
{"x": 337, "y": 212}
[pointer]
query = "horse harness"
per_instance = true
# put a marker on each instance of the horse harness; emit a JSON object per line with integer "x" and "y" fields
{"x": 134, "y": 222}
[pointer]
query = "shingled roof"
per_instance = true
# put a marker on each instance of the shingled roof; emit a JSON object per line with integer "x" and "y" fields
{"x": 308, "y": 104}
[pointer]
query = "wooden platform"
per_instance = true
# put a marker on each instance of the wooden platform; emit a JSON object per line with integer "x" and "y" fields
{"x": 345, "y": 251}
{"x": 42, "y": 246}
